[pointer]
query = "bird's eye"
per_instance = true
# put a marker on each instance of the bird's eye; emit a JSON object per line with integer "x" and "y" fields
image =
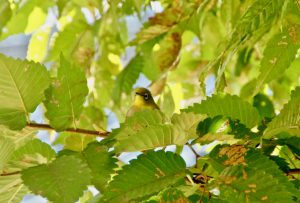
{"x": 146, "y": 96}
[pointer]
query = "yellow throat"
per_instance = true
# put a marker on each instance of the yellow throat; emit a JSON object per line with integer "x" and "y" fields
{"x": 142, "y": 100}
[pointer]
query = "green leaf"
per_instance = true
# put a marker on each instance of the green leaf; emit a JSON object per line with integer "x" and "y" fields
{"x": 173, "y": 195}
{"x": 139, "y": 121}
{"x": 289, "y": 157}
{"x": 67, "y": 40}
{"x": 63, "y": 180}
{"x": 6, "y": 13}
{"x": 288, "y": 120}
{"x": 166, "y": 102}
{"x": 152, "y": 137}
{"x": 12, "y": 189}
{"x": 127, "y": 78}
{"x": 149, "y": 33}
{"x": 32, "y": 147}
{"x": 38, "y": 45}
{"x": 257, "y": 19}
{"x": 101, "y": 162}
{"x": 143, "y": 132}
{"x": 27, "y": 18}
{"x": 169, "y": 195}
{"x": 92, "y": 118}
{"x": 210, "y": 137}
{"x": 22, "y": 86}
{"x": 75, "y": 141}
{"x": 18, "y": 137}
{"x": 148, "y": 174}
{"x": 280, "y": 52}
{"x": 227, "y": 105}
{"x": 188, "y": 122}
{"x": 264, "y": 106}
{"x": 6, "y": 149}
{"x": 32, "y": 153}
{"x": 256, "y": 182}
{"x": 66, "y": 96}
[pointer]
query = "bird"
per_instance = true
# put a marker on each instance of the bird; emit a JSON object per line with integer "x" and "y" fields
{"x": 142, "y": 100}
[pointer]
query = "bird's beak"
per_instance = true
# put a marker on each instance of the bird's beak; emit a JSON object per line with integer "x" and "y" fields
{"x": 139, "y": 94}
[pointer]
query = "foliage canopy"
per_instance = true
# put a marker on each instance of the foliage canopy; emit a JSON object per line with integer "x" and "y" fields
{"x": 224, "y": 73}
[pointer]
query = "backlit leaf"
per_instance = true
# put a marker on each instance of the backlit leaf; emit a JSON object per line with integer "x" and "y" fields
{"x": 146, "y": 175}
{"x": 66, "y": 95}
{"x": 22, "y": 86}
{"x": 227, "y": 105}
{"x": 12, "y": 189}
{"x": 280, "y": 52}
{"x": 63, "y": 180}
{"x": 288, "y": 120}
{"x": 6, "y": 149}
{"x": 127, "y": 78}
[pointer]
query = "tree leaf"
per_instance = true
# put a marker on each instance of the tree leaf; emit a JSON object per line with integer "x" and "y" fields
{"x": 257, "y": 19}
{"x": 280, "y": 52}
{"x": 65, "y": 96}
{"x": 169, "y": 195}
{"x": 257, "y": 181}
{"x": 149, "y": 33}
{"x": 146, "y": 133}
{"x": 6, "y": 13}
{"x": 146, "y": 175}
{"x": 66, "y": 40}
{"x": 169, "y": 47}
{"x": 101, "y": 162}
{"x": 92, "y": 118}
{"x": 32, "y": 153}
{"x": 22, "y": 86}
{"x": 6, "y": 149}
{"x": 188, "y": 121}
{"x": 127, "y": 78}
{"x": 227, "y": 105}
{"x": 74, "y": 141}
{"x": 152, "y": 137}
{"x": 264, "y": 106}
{"x": 38, "y": 45}
{"x": 288, "y": 120}
{"x": 166, "y": 100}
{"x": 18, "y": 137}
{"x": 63, "y": 180}
{"x": 210, "y": 137}
{"x": 139, "y": 121}
{"x": 12, "y": 189}
{"x": 29, "y": 16}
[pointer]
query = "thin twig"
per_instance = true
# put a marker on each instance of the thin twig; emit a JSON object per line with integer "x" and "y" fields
{"x": 194, "y": 151}
{"x": 10, "y": 174}
{"x": 73, "y": 130}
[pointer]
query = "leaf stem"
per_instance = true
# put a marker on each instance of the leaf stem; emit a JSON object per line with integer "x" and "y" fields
{"x": 193, "y": 150}
{"x": 73, "y": 130}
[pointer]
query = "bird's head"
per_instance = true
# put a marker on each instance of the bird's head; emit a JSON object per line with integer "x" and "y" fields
{"x": 143, "y": 97}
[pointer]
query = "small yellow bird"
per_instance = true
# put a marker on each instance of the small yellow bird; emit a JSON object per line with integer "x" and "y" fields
{"x": 142, "y": 100}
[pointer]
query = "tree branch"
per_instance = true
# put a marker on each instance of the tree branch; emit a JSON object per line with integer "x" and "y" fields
{"x": 10, "y": 174}
{"x": 73, "y": 130}
{"x": 293, "y": 171}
